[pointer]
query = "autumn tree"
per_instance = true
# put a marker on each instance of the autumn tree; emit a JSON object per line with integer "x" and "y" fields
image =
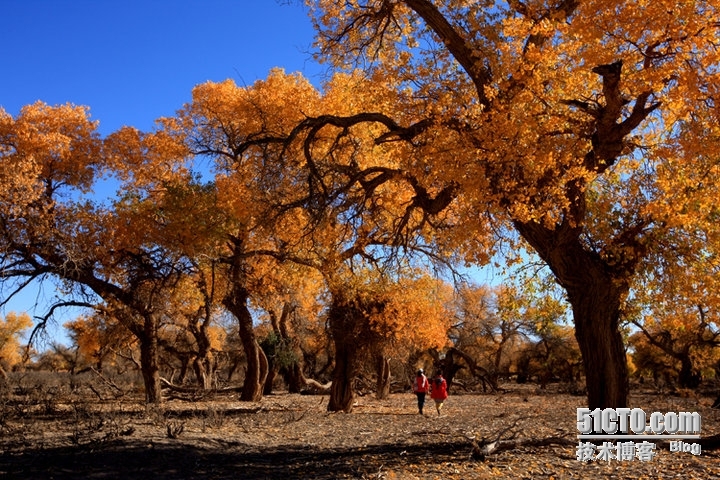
{"x": 688, "y": 339}
{"x": 220, "y": 124}
{"x": 414, "y": 318}
{"x": 97, "y": 339}
{"x": 292, "y": 298}
{"x": 112, "y": 254}
{"x": 45, "y": 153}
{"x": 11, "y": 327}
{"x": 483, "y": 330}
{"x": 550, "y": 351}
{"x": 511, "y": 321}
{"x": 501, "y": 330}
{"x": 556, "y": 119}
{"x": 303, "y": 206}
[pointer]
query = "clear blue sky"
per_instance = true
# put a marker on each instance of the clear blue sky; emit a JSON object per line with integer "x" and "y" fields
{"x": 132, "y": 61}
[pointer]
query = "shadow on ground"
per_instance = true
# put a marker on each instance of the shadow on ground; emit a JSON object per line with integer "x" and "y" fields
{"x": 120, "y": 460}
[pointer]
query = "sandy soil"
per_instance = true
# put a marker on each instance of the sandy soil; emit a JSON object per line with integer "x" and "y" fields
{"x": 292, "y": 436}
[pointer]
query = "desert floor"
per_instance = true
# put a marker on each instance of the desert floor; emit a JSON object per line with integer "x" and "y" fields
{"x": 293, "y": 436}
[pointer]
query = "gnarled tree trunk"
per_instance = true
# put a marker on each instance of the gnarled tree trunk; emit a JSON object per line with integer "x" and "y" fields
{"x": 596, "y": 311}
{"x": 343, "y": 319}
{"x": 382, "y": 365}
{"x": 689, "y": 376}
{"x": 236, "y": 301}
{"x": 595, "y": 290}
{"x": 292, "y": 372}
{"x": 203, "y": 362}
{"x": 149, "y": 364}
{"x": 257, "y": 364}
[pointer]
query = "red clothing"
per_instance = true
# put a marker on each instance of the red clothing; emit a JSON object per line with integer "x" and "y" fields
{"x": 438, "y": 389}
{"x": 421, "y": 384}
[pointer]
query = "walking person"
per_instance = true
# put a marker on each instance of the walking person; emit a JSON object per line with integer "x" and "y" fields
{"x": 438, "y": 391}
{"x": 420, "y": 387}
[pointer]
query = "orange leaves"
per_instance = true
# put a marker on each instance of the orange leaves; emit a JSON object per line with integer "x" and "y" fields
{"x": 45, "y": 149}
{"x": 146, "y": 161}
{"x": 11, "y": 329}
{"x": 522, "y": 143}
{"x": 62, "y": 140}
{"x": 223, "y": 115}
{"x": 403, "y": 315}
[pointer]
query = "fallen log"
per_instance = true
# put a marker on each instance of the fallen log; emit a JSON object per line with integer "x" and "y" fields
{"x": 196, "y": 390}
{"x": 313, "y": 387}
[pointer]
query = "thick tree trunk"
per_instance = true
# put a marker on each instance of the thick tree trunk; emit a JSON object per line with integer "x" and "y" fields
{"x": 597, "y": 330}
{"x": 203, "y": 371}
{"x": 689, "y": 377}
{"x": 236, "y": 301}
{"x": 294, "y": 378}
{"x": 292, "y": 372}
{"x": 494, "y": 376}
{"x": 343, "y": 321}
{"x": 269, "y": 379}
{"x": 595, "y": 291}
{"x": 257, "y": 364}
{"x": 342, "y": 393}
{"x": 382, "y": 390}
{"x": 149, "y": 364}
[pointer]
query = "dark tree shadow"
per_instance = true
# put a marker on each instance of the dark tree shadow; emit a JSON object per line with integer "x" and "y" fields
{"x": 168, "y": 461}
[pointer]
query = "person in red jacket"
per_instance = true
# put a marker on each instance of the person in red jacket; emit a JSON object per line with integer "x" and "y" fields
{"x": 420, "y": 387}
{"x": 438, "y": 391}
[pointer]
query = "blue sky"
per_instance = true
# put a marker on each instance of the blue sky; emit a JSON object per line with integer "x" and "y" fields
{"x": 132, "y": 61}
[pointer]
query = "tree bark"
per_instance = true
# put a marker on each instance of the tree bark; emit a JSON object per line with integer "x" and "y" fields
{"x": 343, "y": 320}
{"x": 149, "y": 364}
{"x": 688, "y": 377}
{"x": 382, "y": 390}
{"x": 595, "y": 290}
{"x": 203, "y": 371}
{"x": 342, "y": 393}
{"x": 293, "y": 372}
{"x": 203, "y": 362}
{"x": 236, "y": 301}
{"x": 602, "y": 347}
{"x": 294, "y": 378}
{"x": 257, "y": 364}
{"x": 270, "y": 378}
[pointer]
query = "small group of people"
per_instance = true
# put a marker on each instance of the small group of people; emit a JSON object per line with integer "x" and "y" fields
{"x": 437, "y": 388}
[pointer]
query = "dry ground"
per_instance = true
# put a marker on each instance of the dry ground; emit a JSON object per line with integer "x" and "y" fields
{"x": 292, "y": 436}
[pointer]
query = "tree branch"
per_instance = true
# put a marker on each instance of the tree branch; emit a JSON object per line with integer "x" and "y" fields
{"x": 459, "y": 47}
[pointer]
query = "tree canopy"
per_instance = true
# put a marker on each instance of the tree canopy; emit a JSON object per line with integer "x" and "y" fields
{"x": 585, "y": 133}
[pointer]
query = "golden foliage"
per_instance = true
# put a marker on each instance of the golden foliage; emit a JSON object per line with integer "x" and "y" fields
{"x": 11, "y": 328}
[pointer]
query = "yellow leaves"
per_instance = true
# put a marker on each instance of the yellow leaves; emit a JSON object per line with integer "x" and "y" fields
{"x": 531, "y": 143}
{"x": 87, "y": 333}
{"x": 62, "y": 140}
{"x": 11, "y": 328}
{"x": 222, "y": 115}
